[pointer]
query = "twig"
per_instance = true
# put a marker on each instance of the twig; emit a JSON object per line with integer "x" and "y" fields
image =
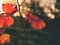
{"x": 21, "y": 19}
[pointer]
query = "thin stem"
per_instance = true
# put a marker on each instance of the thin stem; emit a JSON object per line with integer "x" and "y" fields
{"x": 21, "y": 19}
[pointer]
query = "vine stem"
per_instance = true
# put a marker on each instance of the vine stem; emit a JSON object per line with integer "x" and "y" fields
{"x": 21, "y": 20}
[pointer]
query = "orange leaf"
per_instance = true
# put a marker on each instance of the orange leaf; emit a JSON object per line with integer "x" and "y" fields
{"x": 4, "y": 38}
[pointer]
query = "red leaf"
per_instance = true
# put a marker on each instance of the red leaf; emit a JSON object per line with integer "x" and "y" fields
{"x": 8, "y": 8}
{"x": 8, "y": 21}
{"x": 39, "y": 25}
{"x": 34, "y": 17}
{"x": 1, "y": 22}
{"x": 31, "y": 17}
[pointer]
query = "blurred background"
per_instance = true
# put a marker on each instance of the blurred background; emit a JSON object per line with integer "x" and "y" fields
{"x": 24, "y": 34}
